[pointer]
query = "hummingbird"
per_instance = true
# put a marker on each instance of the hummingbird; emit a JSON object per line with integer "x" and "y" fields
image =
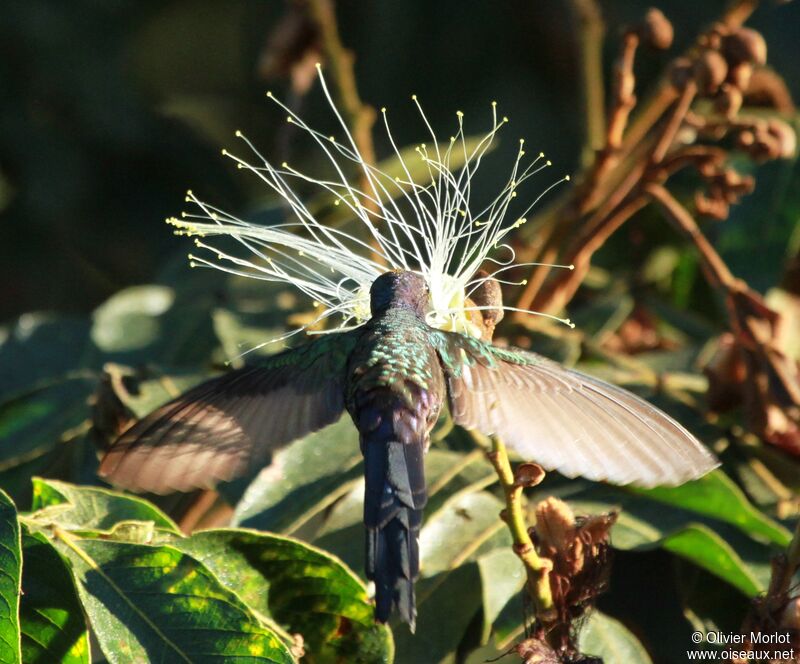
{"x": 394, "y": 375}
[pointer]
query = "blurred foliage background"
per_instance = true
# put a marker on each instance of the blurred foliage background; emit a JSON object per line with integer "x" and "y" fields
{"x": 112, "y": 110}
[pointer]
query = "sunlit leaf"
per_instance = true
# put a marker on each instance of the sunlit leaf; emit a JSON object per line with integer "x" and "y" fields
{"x": 10, "y": 579}
{"x": 716, "y": 496}
{"x": 148, "y": 603}
{"x": 303, "y": 588}
{"x": 52, "y": 622}
{"x": 91, "y": 508}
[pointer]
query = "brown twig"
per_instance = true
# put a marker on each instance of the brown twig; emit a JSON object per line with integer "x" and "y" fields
{"x": 591, "y": 31}
{"x": 359, "y": 116}
{"x": 623, "y": 166}
{"x": 718, "y": 273}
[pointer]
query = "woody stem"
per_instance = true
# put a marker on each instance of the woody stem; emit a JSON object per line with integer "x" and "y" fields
{"x": 536, "y": 567}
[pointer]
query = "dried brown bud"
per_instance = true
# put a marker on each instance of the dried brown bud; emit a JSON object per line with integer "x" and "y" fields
{"x": 740, "y": 75}
{"x": 785, "y": 136}
{"x": 790, "y": 619}
{"x": 528, "y": 474}
{"x": 745, "y": 45}
{"x": 555, "y": 523}
{"x": 746, "y": 138}
{"x": 711, "y": 207}
{"x": 624, "y": 83}
{"x": 656, "y": 30}
{"x": 767, "y": 88}
{"x": 729, "y": 100}
{"x": 534, "y": 651}
{"x": 710, "y": 70}
{"x": 726, "y": 373}
{"x": 486, "y": 294}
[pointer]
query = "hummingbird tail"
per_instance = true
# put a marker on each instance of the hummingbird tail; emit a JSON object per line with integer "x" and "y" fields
{"x": 393, "y": 501}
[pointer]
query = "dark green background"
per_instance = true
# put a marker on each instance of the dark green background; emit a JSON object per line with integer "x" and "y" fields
{"x": 110, "y": 110}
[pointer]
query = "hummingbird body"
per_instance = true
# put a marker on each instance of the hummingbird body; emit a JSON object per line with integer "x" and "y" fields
{"x": 396, "y": 389}
{"x": 392, "y": 376}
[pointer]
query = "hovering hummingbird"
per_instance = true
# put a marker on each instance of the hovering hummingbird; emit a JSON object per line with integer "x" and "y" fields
{"x": 393, "y": 375}
{"x": 406, "y": 346}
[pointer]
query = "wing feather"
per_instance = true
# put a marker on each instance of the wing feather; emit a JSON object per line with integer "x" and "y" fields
{"x": 232, "y": 423}
{"x": 566, "y": 420}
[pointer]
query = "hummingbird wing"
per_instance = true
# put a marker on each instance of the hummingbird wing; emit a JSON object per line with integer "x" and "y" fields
{"x": 566, "y": 420}
{"x": 227, "y": 425}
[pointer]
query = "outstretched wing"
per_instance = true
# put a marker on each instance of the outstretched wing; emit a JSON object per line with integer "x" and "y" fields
{"x": 566, "y": 420}
{"x": 223, "y": 427}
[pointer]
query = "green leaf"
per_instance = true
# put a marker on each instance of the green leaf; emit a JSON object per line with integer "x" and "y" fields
{"x": 35, "y": 422}
{"x": 303, "y": 588}
{"x": 52, "y": 622}
{"x": 143, "y": 394}
{"x": 91, "y": 508}
{"x": 128, "y": 320}
{"x": 447, "y": 473}
{"x": 446, "y": 605}
{"x": 502, "y": 577}
{"x": 154, "y": 323}
{"x": 148, "y": 603}
{"x": 707, "y": 549}
{"x": 39, "y": 346}
{"x": 610, "y": 640}
{"x": 642, "y": 525}
{"x": 304, "y": 478}
{"x": 456, "y": 532}
{"x": 715, "y": 495}
{"x": 10, "y": 575}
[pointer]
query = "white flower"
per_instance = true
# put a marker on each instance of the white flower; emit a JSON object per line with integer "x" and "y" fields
{"x": 429, "y": 227}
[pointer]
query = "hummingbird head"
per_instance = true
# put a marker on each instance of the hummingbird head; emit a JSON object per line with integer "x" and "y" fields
{"x": 399, "y": 288}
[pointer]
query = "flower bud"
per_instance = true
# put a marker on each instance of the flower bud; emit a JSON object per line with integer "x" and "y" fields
{"x": 656, "y": 30}
{"x": 785, "y": 137}
{"x": 729, "y": 100}
{"x": 745, "y": 45}
{"x": 710, "y": 70}
{"x": 528, "y": 474}
{"x": 739, "y": 75}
